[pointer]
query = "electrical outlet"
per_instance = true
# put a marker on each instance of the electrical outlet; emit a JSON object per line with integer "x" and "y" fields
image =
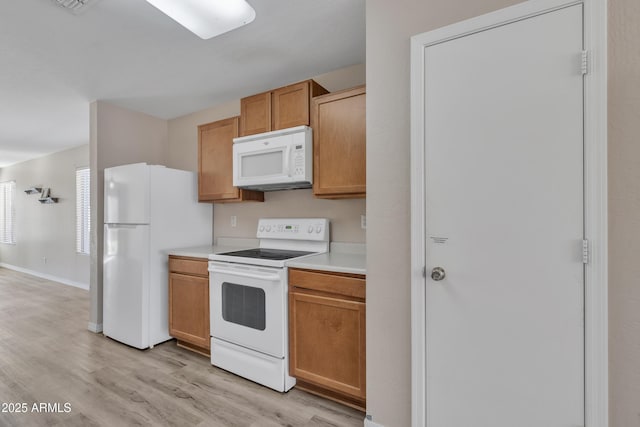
{"x": 234, "y": 220}
{"x": 363, "y": 222}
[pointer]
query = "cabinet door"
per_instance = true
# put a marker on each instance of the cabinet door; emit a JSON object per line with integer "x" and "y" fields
{"x": 290, "y": 104}
{"x": 215, "y": 163}
{"x": 327, "y": 343}
{"x": 189, "y": 309}
{"x": 255, "y": 114}
{"x": 339, "y": 144}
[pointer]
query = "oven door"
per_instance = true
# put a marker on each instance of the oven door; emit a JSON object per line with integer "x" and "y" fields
{"x": 248, "y": 306}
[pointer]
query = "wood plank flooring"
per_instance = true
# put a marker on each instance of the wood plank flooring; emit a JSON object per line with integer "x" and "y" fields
{"x": 48, "y": 356}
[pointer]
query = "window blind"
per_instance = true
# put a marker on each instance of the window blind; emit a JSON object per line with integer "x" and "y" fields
{"x": 7, "y": 211}
{"x": 83, "y": 211}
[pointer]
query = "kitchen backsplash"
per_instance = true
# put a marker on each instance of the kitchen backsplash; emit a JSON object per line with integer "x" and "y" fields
{"x": 345, "y": 215}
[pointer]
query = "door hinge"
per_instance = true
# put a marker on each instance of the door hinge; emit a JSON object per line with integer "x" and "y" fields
{"x": 424, "y": 272}
{"x": 584, "y": 62}
{"x": 585, "y": 251}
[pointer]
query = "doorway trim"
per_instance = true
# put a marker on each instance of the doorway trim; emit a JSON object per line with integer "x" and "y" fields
{"x": 595, "y": 197}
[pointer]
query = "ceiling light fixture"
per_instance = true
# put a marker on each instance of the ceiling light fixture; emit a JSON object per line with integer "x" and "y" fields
{"x": 207, "y": 18}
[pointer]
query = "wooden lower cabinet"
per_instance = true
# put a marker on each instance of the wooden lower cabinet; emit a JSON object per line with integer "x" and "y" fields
{"x": 327, "y": 346}
{"x": 189, "y": 303}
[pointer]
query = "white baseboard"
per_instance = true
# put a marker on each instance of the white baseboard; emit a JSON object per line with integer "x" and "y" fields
{"x": 369, "y": 423}
{"x": 67, "y": 282}
{"x": 95, "y": 327}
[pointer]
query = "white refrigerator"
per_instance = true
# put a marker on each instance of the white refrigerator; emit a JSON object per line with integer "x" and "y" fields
{"x": 148, "y": 209}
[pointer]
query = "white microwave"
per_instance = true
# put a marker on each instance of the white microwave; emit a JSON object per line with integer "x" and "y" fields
{"x": 278, "y": 160}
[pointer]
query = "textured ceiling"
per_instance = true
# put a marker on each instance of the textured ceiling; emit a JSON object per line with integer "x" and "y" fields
{"x": 54, "y": 63}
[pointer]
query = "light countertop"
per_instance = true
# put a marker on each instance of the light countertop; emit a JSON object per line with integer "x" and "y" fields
{"x": 222, "y": 245}
{"x": 343, "y": 258}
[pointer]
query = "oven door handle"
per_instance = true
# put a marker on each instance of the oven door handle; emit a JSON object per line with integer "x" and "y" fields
{"x": 233, "y": 272}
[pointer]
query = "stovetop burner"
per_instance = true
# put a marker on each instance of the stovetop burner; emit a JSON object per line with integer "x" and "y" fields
{"x": 271, "y": 254}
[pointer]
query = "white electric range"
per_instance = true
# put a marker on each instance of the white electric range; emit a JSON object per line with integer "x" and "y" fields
{"x": 248, "y": 293}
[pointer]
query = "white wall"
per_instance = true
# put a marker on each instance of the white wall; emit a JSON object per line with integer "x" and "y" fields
{"x": 47, "y": 231}
{"x": 344, "y": 214}
{"x": 389, "y": 28}
{"x": 118, "y": 136}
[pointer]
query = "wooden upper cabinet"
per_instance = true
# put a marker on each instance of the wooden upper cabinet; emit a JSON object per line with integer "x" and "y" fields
{"x": 215, "y": 164}
{"x": 255, "y": 114}
{"x": 280, "y": 108}
{"x": 339, "y": 144}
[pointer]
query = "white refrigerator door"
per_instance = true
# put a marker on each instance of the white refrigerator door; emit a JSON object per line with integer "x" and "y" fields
{"x": 126, "y": 284}
{"x": 126, "y": 194}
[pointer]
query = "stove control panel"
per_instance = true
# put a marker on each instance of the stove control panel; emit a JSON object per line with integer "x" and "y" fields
{"x": 294, "y": 228}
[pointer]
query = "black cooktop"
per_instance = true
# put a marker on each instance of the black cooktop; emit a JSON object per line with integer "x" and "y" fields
{"x": 272, "y": 254}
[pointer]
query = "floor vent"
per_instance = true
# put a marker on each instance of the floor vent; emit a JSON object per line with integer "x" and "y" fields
{"x": 75, "y": 6}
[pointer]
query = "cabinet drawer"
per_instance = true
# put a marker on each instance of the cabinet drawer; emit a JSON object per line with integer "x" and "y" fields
{"x": 196, "y": 266}
{"x": 351, "y": 285}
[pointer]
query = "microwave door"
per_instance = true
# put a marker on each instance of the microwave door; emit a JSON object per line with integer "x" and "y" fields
{"x": 256, "y": 165}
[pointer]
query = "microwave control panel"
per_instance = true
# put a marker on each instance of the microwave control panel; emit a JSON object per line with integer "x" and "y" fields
{"x": 298, "y": 160}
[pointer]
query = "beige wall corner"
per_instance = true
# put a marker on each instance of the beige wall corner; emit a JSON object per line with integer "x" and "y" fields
{"x": 183, "y": 134}
{"x": 117, "y": 137}
{"x": 624, "y": 212}
{"x": 389, "y": 28}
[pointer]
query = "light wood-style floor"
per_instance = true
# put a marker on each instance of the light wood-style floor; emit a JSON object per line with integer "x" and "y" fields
{"x": 47, "y": 355}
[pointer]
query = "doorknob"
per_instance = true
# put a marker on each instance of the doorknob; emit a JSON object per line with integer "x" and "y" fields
{"x": 438, "y": 274}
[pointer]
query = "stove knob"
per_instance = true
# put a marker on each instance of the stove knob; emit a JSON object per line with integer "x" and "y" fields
{"x": 318, "y": 228}
{"x": 268, "y": 228}
{"x": 310, "y": 229}
{"x": 262, "y": 228}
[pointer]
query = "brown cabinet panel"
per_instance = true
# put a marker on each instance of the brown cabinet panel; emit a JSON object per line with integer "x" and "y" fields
{"x": 339, "y": 144}
{"x": 188, "y": 266}
{"x": 328, "y": 340}
{"x": 327, "y": 334}
{"x": 290, "y": 106}
{"x": 347, "y": 285}
{"x": 280, "y": 108}
{"x": 189, "y": 302}
{"x": 255, "y": 114}
{"x": 215, "y": 164}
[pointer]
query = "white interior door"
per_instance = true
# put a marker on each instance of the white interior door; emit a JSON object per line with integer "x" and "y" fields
{"x": 504, "y": 219}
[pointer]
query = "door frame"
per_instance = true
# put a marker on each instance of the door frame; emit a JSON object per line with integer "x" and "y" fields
{"x": 595, "y": 197}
